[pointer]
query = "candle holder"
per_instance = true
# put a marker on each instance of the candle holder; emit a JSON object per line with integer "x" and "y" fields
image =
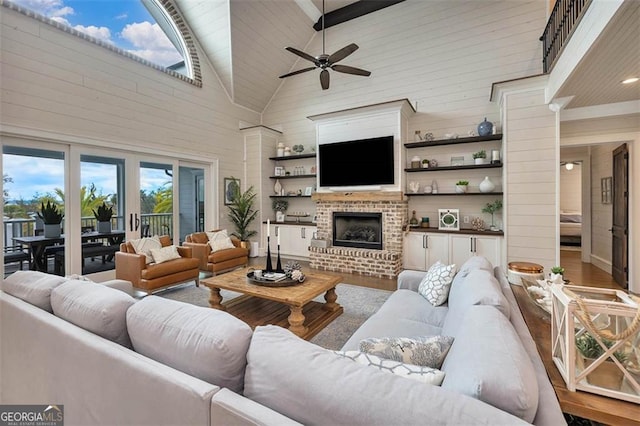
{"x": 279, "y": 263}
{"x": 269, "y": 267}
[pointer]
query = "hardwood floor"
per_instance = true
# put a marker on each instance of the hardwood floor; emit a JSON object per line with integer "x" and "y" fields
{"x": 580, "y": 273}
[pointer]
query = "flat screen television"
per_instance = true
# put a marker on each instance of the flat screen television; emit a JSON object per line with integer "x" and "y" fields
{"x": 360, "y": 162}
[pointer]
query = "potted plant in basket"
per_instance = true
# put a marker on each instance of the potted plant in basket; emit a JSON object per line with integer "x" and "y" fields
{"x": 52, "y": 218}
{"x": 606, "y": 375}
{"x": 103, "y": 215}
{"x": 241, "y": 214}
{"x": 280, "y": 206}
{"x": 461, "y": 186}
{"x": 478, "y": 157}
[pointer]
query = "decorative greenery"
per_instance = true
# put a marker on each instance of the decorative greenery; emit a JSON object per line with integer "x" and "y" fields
{"x": 241, "y": 214}
{"x": 103, "y": 213}
{"x": 298, "y": 149}
{"x": 462, "y": 182}
{"x": 492, "y": 208}
{"x": 590, "y": 348}
{"x": 50, "y": 214}
{"x": 557, "y": 270}
{"x": 480, "y": 154}
{"x": 279, "y": 205}
{"x": 425, "y": 161}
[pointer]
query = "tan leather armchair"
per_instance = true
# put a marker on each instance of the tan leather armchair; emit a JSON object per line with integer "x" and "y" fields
{"x": 132, "y": 267}
{"x": 219, "y": 261}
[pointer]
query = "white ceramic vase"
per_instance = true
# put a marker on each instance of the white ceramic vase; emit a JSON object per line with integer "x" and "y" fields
{"x": 486, "y": 185}
{"x": 277, "y": 188}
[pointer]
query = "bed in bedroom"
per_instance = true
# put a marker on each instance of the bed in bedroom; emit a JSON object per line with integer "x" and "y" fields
{"x": 570, "y": 228}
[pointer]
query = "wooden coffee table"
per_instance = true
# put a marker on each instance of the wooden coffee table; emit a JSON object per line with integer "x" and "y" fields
{"x": 290, "y": 307}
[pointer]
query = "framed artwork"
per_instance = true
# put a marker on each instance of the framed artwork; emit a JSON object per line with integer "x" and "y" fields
{"x": 279, "y": 171}
{"x": 606, "y": 189}
{"x": 308, "y": 190}
{"x": 231, "y": 190}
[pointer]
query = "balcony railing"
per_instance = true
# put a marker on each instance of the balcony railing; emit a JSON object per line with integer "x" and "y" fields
{"x": 150, "y": 224}
{"x": 563, "y": 20}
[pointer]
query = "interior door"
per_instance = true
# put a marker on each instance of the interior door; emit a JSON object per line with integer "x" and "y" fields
{"x": 620, "y": 228}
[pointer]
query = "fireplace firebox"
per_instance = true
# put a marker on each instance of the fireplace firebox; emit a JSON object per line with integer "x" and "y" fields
{"x": 363, "y": 230}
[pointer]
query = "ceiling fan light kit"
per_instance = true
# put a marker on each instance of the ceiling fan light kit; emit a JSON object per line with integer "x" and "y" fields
{"x": 324, "y": 61}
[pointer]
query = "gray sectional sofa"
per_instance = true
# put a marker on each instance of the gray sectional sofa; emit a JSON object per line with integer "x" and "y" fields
{"x": 112, "y": 360}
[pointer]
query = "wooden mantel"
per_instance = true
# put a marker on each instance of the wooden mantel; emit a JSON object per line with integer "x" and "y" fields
{"x": 359, "y": 196}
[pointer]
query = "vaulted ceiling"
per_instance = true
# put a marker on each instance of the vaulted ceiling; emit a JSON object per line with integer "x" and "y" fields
{"x": 244, "y": 41}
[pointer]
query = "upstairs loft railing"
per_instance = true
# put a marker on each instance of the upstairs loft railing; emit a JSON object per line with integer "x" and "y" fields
{"x": 563, "y": 20}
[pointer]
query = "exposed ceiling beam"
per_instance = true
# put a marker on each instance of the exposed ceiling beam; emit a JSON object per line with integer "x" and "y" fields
{"x": 352, "y": 11}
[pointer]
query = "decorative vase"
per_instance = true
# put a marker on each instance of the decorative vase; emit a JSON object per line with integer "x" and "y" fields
{"x": 478, "y": 161}
{"x": 280, "y": 149}
{"x": 486, "y": 185}
{"x": 104, "y": 227}
{"x": 485, "y": 128}
{"x": 414, "y": 219}
{"x": 277, "y": 188}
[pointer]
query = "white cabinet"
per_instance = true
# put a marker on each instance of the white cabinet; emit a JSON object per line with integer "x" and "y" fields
{"x": 462, "y": 247}
{"x": 422, "y": 249}
{"x": 294, "y": 239}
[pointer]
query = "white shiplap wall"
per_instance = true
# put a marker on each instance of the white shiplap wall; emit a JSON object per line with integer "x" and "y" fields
{"x": 442, "y": 56}
{"x": 58, "y": 84}
{"x": 531, "y": 149}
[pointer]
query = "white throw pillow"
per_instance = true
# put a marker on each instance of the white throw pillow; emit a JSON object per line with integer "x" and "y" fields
{"x": 427, "y": 375}
{"x": 165, "y": 254}
{"x": 145, "y": 245}
{"x": 425, "y": 351}
{"x": 219, "y": 240}
{"x": 436, "y": 283}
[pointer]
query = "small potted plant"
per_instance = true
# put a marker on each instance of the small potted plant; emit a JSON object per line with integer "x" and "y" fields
{"x": 103, "y": 216}
{"x": 52, "y": 219}
{"x": 557, "y": 275}
{"x": 425, "y": 163}
{"x": 280, "y": 206}
{"x": 479, "y": 157}
{"x": 606, "y": 375}
{"x": 461, "y": 186}
{"x": 492, "y": 208}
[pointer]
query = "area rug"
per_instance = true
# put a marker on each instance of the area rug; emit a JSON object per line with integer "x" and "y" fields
{"x": 359, "y": 303}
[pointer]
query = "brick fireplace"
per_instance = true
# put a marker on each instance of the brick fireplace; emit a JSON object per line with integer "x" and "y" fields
{"x": 384, "y": 263}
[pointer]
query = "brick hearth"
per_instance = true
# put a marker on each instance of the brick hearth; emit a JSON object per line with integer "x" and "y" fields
{"x": 385, "y": 263}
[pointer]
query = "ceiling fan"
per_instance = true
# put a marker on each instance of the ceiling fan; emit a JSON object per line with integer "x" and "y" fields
{"x": 325, "y": 61}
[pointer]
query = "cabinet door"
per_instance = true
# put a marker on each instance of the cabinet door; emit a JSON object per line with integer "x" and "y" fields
{"x": 287, "y": 239}
{"x": 488, "y": 247}
{"x": 415, "y": 251}
{"x": 437, "y": 249}
{"x": 302, "y": 239}
{"x": 460, "y": 249}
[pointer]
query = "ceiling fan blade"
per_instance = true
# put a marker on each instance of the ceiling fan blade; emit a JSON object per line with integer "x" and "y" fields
{"x": 350, "y": 70}
{"x": 343, "y": 53}
{"x": 297, "y": 72}
{"x": 302, "y": 54}
{"x": 324, "y": 79}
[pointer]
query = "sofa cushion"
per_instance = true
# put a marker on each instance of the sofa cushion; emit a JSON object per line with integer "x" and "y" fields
{"x": 389, "y": 326}
{"x": 429, "y": 375}
{"x": 165, "y": 254}
{"x": 219, "y": 241}
{"x": 487, "y": 361}
{"x": 312, "y": 385}
{"x": 409, "y": 304}
{"x": 479, "y": 287}
{"x": 203, "y": 342}
{"x": 436, "y": 283}
{"x": 228, "y": 254}
{"x": 33, "y": 287}
{"x": 424, "y": 351}
{"x": 95, "y": 308}
{"x": 157, "y": 270}
{"x": 199, "y": 238}
{"x": 145, "y": 245}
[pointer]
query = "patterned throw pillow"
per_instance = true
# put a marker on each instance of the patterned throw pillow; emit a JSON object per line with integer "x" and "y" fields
{"x": 425, "y": 351}
{"x": 436, "y": 283}
{"x": 427, "y": 375}
{"x": 165, "y": 254}
{"x": 145, "y": 245}
{"x": 219, "y": 241}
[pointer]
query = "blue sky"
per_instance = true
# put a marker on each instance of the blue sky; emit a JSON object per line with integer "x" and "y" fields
{"x": 29, "y": 179}
{"x": 125, "y": 23}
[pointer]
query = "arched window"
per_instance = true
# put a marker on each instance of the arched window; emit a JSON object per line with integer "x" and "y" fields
{"x": 150, "y": 31}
